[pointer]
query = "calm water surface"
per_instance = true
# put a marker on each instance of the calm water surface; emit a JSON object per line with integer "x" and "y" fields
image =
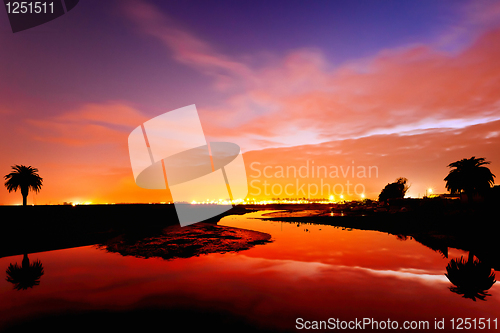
{"x": 314, "y": 272}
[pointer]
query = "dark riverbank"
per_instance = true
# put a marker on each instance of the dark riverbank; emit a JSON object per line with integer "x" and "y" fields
{"x": 436, "y": 224}
{"x": 45, "y": 228}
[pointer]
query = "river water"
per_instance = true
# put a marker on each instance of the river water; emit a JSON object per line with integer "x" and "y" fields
{"x": 308, "y": 275}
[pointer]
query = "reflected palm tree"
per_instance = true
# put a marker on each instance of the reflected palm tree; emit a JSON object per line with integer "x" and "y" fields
{"x": 25, "y": 276}
{"x": 472, "y": 278}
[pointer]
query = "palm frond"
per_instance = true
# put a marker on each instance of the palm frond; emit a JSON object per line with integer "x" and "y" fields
{"x": 23, "y": 178}
{"x": 468, "y": 175}
{"x": 25, "y": 276}
{"x": 472, "y": 279}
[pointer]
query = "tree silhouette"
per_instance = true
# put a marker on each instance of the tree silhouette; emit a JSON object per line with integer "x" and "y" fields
{"x": 396, "y": 190}
{"x": 25, "y": 276}
{"x": 24, "y": 178}
{"x": 469, "y": 176}
{"x": 472, "y": 278}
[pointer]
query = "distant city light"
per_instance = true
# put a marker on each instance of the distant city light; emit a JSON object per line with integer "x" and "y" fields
{"x": 253, "y": 201}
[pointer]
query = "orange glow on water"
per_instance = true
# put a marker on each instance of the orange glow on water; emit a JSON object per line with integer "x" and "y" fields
{"x": 308, "y": 271}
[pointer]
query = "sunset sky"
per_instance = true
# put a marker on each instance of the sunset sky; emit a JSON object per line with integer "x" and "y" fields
{"x": 405, "y": 86}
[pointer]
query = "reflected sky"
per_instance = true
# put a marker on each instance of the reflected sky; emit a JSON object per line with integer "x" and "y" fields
{"x": 309, "y": 271}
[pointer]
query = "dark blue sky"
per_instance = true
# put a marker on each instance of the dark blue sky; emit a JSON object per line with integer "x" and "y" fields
{"x": 342, "y": 29}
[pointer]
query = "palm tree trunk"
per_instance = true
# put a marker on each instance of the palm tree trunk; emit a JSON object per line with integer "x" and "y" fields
{"x": 26, "y": 261}
{"x": 25, "y": 192}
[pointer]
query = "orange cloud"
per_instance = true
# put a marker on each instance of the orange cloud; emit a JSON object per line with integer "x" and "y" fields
{"x": 401, "y": 90}
{"x": 422, "y": 158}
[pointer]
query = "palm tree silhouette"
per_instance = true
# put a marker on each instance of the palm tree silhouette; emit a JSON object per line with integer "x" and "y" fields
{"x": 25, "y": 276}
{"x": 472, "y": 278}
{"x": 24, "y": 178}
{"x": 470, "y": 176}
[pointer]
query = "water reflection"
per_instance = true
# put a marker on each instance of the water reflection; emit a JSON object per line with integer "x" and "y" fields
{"x": 25, "y": 276}
{"x": 325, "y": 272}
{"x": 472, "y": 278}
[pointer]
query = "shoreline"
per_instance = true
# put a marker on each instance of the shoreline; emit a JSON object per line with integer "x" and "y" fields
{"x": 464, "y": 230}
{"x": 44, "y": 228}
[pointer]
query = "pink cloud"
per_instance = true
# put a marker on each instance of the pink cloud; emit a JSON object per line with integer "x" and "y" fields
{"x": 186, "y": 47}
{"x": 415, "y": 88}
{"x": 477, "y": 17}
{"x": 113, "y": 113}
{"x": 92, "y": 124}
{"x": 409, "y": 88}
